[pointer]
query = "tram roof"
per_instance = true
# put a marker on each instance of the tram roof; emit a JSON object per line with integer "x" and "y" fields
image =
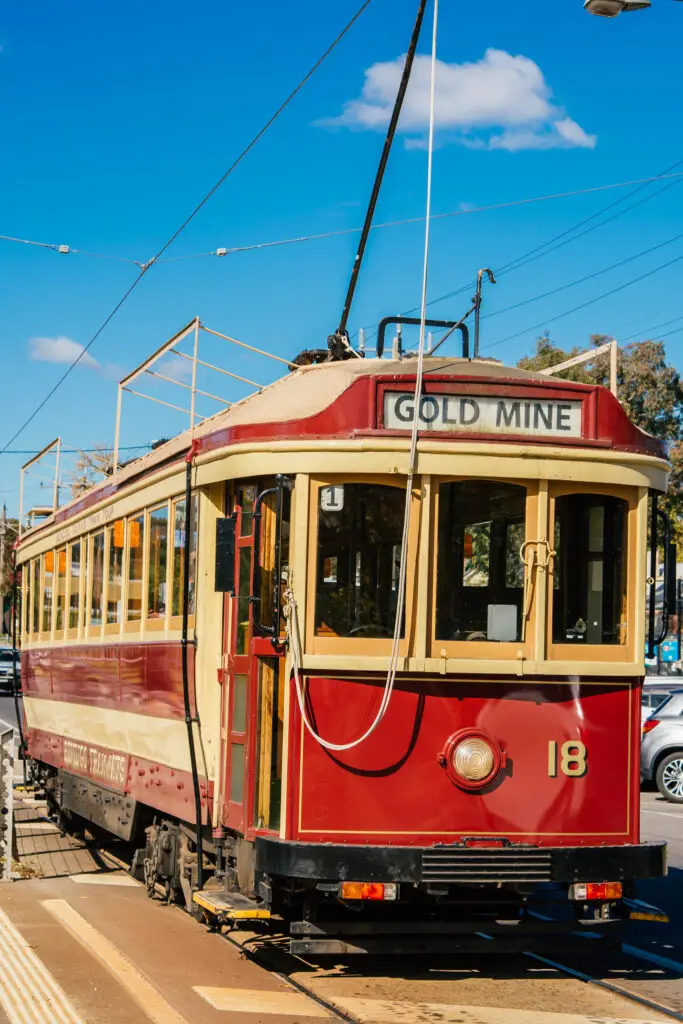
{"x": 309, "y": 391}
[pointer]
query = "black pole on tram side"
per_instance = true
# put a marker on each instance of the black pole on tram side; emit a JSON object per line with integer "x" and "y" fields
{"x": 679, "y": 609}
{"x": 338, "y": 342}
{"x": 190, "y": 719}
{"x": 15, "y": 681}
{"x": 653, "y": 577}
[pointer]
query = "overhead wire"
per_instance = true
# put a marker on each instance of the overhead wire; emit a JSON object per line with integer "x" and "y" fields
{"x": 66, "y": 250}
{"x": 583, "y": 305}
{"x": 147, "y": 266}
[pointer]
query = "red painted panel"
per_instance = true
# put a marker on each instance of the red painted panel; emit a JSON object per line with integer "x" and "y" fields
{"x": 166, "y": 789}
{"x": 141, "y": 677}
{"x": 392, "y": 789}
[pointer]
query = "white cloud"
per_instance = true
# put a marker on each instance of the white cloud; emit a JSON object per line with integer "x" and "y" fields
{"x": 176, "y": 368}
{"x": 499, "y": 102}
{"x": 59, "y": 350}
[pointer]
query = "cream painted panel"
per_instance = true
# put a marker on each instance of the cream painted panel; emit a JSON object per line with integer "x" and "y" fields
{"x": 161, "y": 740}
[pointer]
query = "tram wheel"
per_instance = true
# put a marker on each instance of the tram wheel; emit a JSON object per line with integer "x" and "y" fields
{"x": 670, "y": 777}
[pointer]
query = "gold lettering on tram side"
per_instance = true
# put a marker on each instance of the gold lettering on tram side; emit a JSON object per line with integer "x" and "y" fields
{"x": 573, "y": 759}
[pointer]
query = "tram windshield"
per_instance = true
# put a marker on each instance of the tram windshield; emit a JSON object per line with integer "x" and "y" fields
{"x": 589, "y": 571}
{"x": 479, "y": 571}
{"x": 360, "y": 527}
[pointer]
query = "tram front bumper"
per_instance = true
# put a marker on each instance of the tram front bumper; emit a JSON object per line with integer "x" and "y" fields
{"x": 458, "y": 864}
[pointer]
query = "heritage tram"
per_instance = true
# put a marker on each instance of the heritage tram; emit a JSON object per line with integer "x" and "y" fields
{"x": 218, "y": 667}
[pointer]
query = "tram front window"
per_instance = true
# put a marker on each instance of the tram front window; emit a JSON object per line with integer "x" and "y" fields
{"x": 589, "y": 570}
{"x": 360, "y": 527}
{"x": 479, "y": 571}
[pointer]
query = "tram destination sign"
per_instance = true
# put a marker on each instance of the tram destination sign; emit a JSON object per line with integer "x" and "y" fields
{"x": 483, "y": 414}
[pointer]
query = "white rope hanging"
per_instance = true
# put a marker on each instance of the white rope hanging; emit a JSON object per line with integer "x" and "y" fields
{"x": 292, "y": 618}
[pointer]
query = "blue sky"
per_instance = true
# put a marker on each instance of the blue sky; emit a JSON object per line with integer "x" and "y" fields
{"x": 116, "y": 119}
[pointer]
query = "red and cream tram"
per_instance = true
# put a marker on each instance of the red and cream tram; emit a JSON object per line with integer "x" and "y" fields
{"x": 178, "y": 619}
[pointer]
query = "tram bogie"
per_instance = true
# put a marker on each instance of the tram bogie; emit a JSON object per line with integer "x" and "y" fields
{"x": 395, "y": 709}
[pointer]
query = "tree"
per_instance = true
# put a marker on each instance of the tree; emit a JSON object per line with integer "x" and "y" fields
{"x": 648, "y": 387}
{"x": 91, "y": 467}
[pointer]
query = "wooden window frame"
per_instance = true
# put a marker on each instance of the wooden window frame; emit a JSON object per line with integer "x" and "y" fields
{"x": 176, "y": 621}
{"x": 365, "y": 646}
{"x": 44, "y": 635}
{"x": 115, "y": 628}
{"x": 482, "y": 650}
{"x": 616, "y": 653}
{"x": 135, "y": 625}
{"x": 161, "y": 624}
{"x": 72, "y": 632}
{"x": 96, "y": 632}
{"x": 60, "y": 634}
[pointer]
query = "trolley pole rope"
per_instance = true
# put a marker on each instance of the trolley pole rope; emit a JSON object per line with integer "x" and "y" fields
{"x": 292, "y": 620}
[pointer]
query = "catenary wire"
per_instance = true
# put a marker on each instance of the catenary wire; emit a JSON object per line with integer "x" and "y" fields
{"x": 650, "y": 330}
{"x": 588, "y": 302}
{"x": 146, "y": 266}
{"x": 228, "y": 251}
{"x": 549, "y": 246}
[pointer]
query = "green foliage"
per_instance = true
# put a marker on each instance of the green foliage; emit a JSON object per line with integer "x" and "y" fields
{"x": 648, "y": 387}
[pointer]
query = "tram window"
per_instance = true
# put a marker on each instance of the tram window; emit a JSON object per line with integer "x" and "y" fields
{"x": 246, "y": 498}
{"x": 479, "y": 571}
{"x": 360, "y": 528}
{"x": 267, "y": 556}
{"x": 61, "y": 590}
{"x": 26, "y": 580}
{"x": 243, "y": 602}
{"x": 236, "y": 773}
{"x": 270, "y": 730}
{"x": 136, "y": 559}
{"x": 589, "y": 604}
{"x": 86, "y": 557}
{"x": 115, "y": 574}
{"x": 35, "y": 618}
{"x": 179, "y": 535}
{"x": 74, "y": 583}
{"x": 97, "y": 574}
{"x": 48, "y": 577}
{"x": 158, "y": 557}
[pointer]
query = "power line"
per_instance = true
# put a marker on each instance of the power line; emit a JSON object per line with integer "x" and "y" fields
{"x": 562, "y": 239}
{"x": 145, "y": 267}
{"x": 229, "y": 251}
{"x": 589, "y": 302}
{"x": 78, "y": 451}
{"x": 649, "y": 330}
{"x": 582, "y": 280}
{"x": 65, "y": 250}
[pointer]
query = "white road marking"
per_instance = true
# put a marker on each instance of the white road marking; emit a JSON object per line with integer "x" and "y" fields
{"x": 389, "y": 1011}
{"x": 104, "y": 879}
{"x": 28, "y": 992}
{"x": 655, "y": 958}
{"x": 663, "y": 814}
{"x": 36, "y": 826}
{"x": 142, "y": 991}
{"x": 247, "y": 1000}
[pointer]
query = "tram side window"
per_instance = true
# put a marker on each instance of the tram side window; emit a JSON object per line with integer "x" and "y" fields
{"x": 48, "y": 577}
{"x": 35, "y": 614}
{"x": 360, "y": 528}
{"x": 479, "y": 570}
{"x": 97, "y": 580}
{"x": 115, "y": 577}
{"x": 589, "y": 602}
{"x": 158, "y": 558}
{"x": 26, "y": 582}
{"x": 61, "y": 591}
{"x": 136, "y": 559}
{"x": 180, "y": 532}
{"x": 74, "y": 583}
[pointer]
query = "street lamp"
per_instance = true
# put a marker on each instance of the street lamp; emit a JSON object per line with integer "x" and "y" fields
{"x": 610, "y": 8}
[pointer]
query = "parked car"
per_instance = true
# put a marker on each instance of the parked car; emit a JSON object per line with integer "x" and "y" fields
{"x": 661, "y": 752}
{"x": 7, "y": 670}
{"x": 653, "y": 695}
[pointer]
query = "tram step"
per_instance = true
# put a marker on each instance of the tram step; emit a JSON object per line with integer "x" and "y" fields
{"x": 230, "y": 906}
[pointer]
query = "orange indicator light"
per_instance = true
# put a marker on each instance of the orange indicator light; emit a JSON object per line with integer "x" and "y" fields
{"x": 368, "y": 891}
{"x": 596, "y": 891}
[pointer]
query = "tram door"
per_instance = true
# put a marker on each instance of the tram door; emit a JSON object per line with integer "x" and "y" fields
{"x": 253, "y": 691}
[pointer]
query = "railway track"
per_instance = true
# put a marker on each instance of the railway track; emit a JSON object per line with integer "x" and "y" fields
{"x": 270, "y": 954}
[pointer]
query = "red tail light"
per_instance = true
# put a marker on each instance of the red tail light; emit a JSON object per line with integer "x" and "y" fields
{"x": 649, "y": 724}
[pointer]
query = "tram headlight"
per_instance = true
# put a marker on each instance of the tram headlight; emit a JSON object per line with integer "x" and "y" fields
{"x": 472, "y": 758}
